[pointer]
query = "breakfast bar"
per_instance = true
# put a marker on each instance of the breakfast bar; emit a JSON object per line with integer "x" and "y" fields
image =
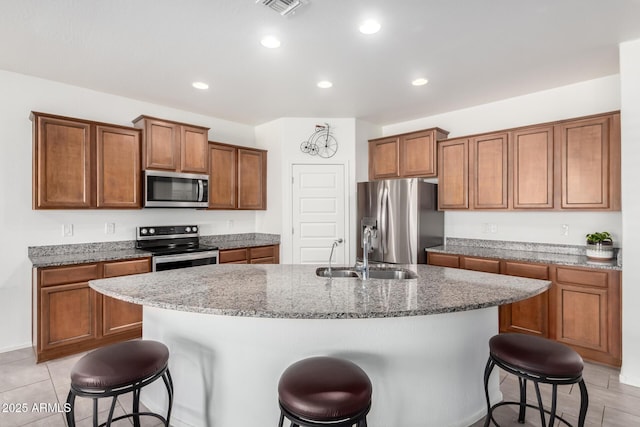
{"x": 233, "y": 329}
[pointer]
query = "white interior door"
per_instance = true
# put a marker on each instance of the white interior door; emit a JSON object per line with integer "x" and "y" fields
{"x": 319, "y": 216}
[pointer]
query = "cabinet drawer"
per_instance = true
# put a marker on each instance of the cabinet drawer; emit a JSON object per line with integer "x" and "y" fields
{"x": 531, "y": 271}
{"x": 443, "y": 260}
{"x": 480, "y": 264}
{"x": 576, "y": 276}
{"x": 262, "y": 252}
{"x": 64, "y": 275}
{"x": 232, "y": 255}
{"x": 266, "y": 260}
{"x": 125, "y": 268}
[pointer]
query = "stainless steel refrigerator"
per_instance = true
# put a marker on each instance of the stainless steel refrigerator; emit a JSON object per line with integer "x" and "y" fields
{"x": 404, "y": 217}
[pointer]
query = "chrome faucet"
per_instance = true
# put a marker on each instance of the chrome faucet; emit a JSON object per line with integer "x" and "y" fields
{"x": 367, "y": 233}
{"x": 333, "y": 246}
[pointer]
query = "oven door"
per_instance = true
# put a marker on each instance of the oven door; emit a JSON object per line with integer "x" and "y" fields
{"x": 172, "y": 262}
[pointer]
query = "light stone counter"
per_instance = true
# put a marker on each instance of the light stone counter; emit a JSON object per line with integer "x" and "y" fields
{"x": 233, "y": 329}
{"x": 294, "y": 291}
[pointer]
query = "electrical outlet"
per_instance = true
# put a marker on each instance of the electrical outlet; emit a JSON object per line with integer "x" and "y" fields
{"x": 230, "y": 224}
{"x": 109, "y": 228}
{"x": 494, "y": 228}
{"x": 67, "y": 230}
{"x": 486, "y": 228}
{"x": 565, "y": 229}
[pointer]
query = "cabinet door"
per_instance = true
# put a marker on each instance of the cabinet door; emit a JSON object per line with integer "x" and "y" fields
{"x": 588, "y": 312}
{"x": 252, "y": 179}
{"x": 489, "y": 178}
{"x": 67, "y": 315}
{"x": 586, "y": 164}
{"x": 453, "y": 174}
{"x": 418, "y": 154}
{"x": 532, "y": 164}
{"x": 193, "y": 149}
{"x": 530, "y": 316}
{"x": 161, "y": 145}
{"x": 120, "y": 316}
{"x": 384, "y": 158}
{"x": 118, "y": 167}
{"x": 222, "y": 177}
{"x": 62, "y": 170}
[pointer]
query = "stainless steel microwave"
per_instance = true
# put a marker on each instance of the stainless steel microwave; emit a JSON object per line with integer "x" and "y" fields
{"x": 175, "y": 190}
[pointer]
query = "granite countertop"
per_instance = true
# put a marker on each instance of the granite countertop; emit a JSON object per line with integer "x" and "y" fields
{"x": 294, "y": 291}
{"x": 571, "y": 255}
{"x": 56, "y": 255}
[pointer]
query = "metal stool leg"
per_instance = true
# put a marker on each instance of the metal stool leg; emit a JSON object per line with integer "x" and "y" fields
{"x": 71, "y": 400}
{"x": 554, "y": 400}
{"x": 542, "y": 417}
{"x": 584, "y": 403}
{"x": 168, "y": 383}
{"x": 95, "y": 412}
{"x": 113, "y": 406}
{"x": 487, "y": 373}
{"x": 522, "y": 382}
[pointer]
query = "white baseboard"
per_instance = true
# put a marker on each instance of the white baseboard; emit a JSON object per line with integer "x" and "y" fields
{"x": 632, "y": 381}
{"x": 15, "y": 347}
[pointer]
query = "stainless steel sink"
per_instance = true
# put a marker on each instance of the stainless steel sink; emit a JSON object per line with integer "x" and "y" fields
{"x": 336, "y": 272}
{"x": 374, "y": 273}
{"x": 391, "y": 274}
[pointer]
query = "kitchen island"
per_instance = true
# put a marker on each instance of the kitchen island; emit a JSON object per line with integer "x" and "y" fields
{"x": 233, "y": 329}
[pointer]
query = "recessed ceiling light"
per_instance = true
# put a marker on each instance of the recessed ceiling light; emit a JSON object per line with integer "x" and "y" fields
{"x": 200, "y": 85}
{"x": 369, "y": 27}
{"x": 270, "y": 42}
{"x": 325, "y": 84}
{"x": 420, "y": 82}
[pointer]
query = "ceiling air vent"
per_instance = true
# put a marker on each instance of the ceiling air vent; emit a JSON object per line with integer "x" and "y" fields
{"x": 283, "y": 7}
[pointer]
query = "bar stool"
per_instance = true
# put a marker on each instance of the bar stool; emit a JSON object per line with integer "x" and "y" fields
{"x": 118, "y": 369}
{"x": 541, "y": 361}
{"x": 324, "y": 391}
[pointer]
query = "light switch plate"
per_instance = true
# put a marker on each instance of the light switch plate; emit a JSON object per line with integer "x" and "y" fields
{"x": 109, "y": 228}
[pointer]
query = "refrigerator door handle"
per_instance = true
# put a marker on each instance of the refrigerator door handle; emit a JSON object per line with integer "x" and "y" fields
{"x": 413, "y": 220}
{"x": 384, "y": 229}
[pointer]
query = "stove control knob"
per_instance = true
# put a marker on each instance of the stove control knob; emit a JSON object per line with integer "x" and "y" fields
{"x": 143, "y": 231}
{"x": 188, "y": 229}
{"x": 194, "y": 229}
{"x": 152, "y": 231}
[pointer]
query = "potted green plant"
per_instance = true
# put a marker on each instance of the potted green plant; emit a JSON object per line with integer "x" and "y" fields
{"x": 600, "y": 245}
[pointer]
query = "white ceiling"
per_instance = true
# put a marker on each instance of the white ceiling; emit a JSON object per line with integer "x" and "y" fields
{"x": 472, "y": 52}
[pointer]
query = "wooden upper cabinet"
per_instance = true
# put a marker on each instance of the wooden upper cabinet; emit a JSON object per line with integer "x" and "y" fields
{"x": 62, "y": 176}
{"x": 193, "y": 152}
{"x": 237, "y": 177}
{"x": 590, "y": 163}
{"x": 489, "y": 172}
{"x": 404, "y": 156}
{"x": 79, "y": 164}
{"x": 533, "y": 168}
{"x": 173, "y": 146}
{"x": 453, "y": 174}
{"x": 118, "y": 167}
{"x": 384, "y": 158}
{"x": 252, "y": 179}
{"x": 223, "y": 176}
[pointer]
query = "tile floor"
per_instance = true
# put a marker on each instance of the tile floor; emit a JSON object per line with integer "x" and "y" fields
{"x": 24, "y": 382}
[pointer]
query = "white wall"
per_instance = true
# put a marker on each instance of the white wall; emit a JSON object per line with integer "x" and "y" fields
{"x": 630, "y": 116}
{"x": 283, "y": 137}
{"x": 580, "y": 99}
{"x": 23, "y": 227}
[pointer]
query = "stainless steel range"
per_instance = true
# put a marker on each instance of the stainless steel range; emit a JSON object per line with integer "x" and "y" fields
{"x": 175, "y": 246}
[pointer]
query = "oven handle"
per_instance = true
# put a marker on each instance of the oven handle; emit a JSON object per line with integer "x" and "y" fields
{"x": 162, "y": 259}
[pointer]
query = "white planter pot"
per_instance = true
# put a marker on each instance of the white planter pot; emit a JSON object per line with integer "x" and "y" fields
{"x": 600, "y": 251}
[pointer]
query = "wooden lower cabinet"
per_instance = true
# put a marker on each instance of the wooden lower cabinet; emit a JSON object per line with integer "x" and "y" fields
{"x": 69, "y": 317}
{"x": 589, "y": 312}
{"x": 254, "y": 255}
{"x": 581, "y": 309}
{"x": 530, "y": 316}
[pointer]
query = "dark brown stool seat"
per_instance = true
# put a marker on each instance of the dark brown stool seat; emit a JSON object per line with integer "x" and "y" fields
{"x": 321, "y": 391}
{"x": 118, "y": 369}
{"x": 538, "y": 360}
